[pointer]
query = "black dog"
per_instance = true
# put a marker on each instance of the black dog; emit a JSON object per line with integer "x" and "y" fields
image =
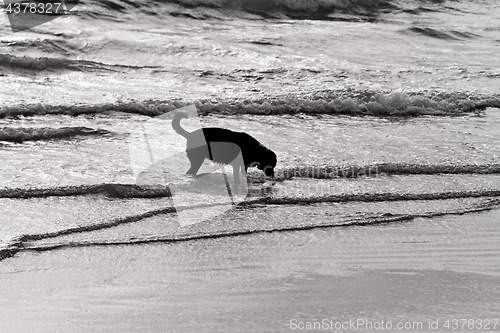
{"x": 224, "y": 146}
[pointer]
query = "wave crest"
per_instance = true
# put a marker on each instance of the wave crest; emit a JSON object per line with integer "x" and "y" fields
{"x": 345, "y": 102}
{"x": 359, "y": 103}
{"x": 312, "y": 172}
{"x": 36, "y": 64}
{"x": 21, "y": 134}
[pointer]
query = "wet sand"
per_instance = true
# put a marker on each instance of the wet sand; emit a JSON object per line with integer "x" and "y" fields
{"x": 419, "y": 271}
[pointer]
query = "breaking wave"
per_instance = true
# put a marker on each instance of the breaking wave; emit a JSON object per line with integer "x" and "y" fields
{"x": 355, "y": 171}
{"x": 311, "y": 172}
{"x": 21, "y": 134}
{"x": 112, "y": 190}
{"x": 346, "y": 102}
{"x": 359, "y": 103}
{"x": 36, "y": 64}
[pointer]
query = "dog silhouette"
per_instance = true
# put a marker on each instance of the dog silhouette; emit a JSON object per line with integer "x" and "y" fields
{"x": 224, "y": 146}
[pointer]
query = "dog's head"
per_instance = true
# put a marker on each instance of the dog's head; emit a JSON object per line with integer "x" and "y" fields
{"x": 267, "y": 161}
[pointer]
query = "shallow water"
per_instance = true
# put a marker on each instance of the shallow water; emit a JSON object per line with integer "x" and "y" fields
{"x": 68, "y": 186}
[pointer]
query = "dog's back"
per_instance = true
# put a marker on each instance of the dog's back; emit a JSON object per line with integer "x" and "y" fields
{"x": 242, "y": 139}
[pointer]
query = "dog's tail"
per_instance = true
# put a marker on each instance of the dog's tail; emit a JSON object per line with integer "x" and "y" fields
{"x": 176, "y": 124}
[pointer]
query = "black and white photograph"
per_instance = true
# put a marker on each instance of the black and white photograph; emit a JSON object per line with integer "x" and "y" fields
{"x": 249, "y": 166}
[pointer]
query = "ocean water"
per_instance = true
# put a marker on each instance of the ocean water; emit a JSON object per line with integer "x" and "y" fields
{"x": 379, "y": 111}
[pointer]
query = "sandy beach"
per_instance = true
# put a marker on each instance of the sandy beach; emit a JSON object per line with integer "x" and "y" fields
{"x": 420, "y": 271}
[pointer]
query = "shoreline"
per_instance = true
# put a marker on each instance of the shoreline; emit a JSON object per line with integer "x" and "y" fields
{"x": 422, "y": 270}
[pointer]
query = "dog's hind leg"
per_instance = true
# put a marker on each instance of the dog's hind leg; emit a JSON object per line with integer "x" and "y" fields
{"x": 196, "y": 162}
{"x": 196, "y": 156}
{"x": 239, "y": 171}
{"x": 243, "y": 170}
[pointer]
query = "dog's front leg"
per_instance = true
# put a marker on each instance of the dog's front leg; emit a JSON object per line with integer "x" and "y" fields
{"x": 244, "y": 185}
{"x": 236, "y": 176}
